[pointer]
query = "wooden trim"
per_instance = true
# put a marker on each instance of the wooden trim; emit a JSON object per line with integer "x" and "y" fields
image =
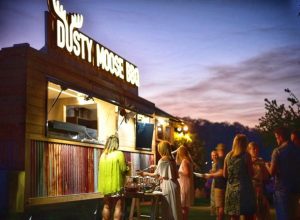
{"x": 61, "y": 141}
{"x": 129, "y": 149}
{"x": 63, "y": 199}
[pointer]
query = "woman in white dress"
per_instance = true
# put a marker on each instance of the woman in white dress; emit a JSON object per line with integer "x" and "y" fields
{"x": 167, "y": 173}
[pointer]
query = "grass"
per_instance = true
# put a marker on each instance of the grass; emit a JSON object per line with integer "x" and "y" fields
{"x": 86, "y": 210}
{"x": 201, "y": 210}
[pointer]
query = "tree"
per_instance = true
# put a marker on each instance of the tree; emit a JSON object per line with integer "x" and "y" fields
{"x": 279, "y": 116}
{"x": 195, "y": 147}
{"x": 197, "y": 151}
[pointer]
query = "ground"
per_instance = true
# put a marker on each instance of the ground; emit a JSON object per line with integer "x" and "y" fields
{"x": 91, "y": 210}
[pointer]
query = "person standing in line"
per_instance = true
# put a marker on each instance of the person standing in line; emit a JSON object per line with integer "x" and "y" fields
{"x": 186, "y": 180}
{"x": 239, "y": 197}
{"x": 284, "y": 167}
{"x": 220, "y": 182}
{"x": 295, "y": 138}
{"x": 214, "y": 158}
{"x": 111, "y": 177}
{"x": 166, "y": 171}
{"x": 260, "y": 175}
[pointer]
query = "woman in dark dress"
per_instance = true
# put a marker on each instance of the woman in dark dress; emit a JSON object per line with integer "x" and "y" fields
{"x": 239, "y": 196}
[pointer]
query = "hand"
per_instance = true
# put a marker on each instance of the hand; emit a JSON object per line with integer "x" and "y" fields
{"x": 139, "y": 172}
{"x": 207, "y": 175}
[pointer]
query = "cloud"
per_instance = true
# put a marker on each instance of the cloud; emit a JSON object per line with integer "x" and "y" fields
{"x": 236, "y": 92}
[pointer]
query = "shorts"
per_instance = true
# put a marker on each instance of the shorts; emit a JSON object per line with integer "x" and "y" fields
{"x": 219, "y": 197}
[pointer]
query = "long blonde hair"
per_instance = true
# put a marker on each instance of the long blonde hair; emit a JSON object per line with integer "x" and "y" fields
{"x": 239, "y": 145}
{"x": 164, "y": 149}
{"x": 112, "y": 144}
{"x": 182, "y": 153}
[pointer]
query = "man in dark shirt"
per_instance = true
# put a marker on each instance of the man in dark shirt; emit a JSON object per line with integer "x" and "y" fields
{"x": 283, "y": 166}
{"x": 295, "y": 138}
{"x": 220, "y": 182}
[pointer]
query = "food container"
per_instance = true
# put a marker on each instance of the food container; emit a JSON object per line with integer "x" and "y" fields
{"x": 132, "y": 184}
{"x": 149, "y": 184}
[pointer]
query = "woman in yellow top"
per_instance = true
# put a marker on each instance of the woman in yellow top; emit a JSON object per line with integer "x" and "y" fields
{"x": 111, "y": 176}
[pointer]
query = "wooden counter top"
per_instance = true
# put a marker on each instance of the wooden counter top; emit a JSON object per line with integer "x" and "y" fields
{"x": 63, "y": 199}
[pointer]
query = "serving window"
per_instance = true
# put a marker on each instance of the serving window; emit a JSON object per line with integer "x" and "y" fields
{"x": 77, "y": 116}
{"x": 144, "y": 132}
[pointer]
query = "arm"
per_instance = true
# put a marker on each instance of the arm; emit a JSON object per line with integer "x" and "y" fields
{"x": 264, "y": 171}
{"x": 272, "y": 167}
{"x": 225, "y": 170}
{"x": 149, "y": 174}
{"x": 122, "y": 162}
{"x": 218, "y": 173}
{"x": 152, "y": 174}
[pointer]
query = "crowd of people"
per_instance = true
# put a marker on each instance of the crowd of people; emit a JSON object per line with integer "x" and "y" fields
{"x": 177, "y": 184}
{"x": 238, "y": 186}
{"x": 246, "y": 174}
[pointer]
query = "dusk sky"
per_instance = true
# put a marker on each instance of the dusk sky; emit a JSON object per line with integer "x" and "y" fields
{"x": 208, "y": 59}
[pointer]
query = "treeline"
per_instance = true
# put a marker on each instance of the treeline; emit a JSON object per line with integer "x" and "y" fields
{"x": 207, "y": 135}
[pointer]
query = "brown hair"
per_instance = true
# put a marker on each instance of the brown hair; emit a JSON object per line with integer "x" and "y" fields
{"x": 252, "y": 144}
{"x": 296, "y": 133}
{"x": 283, "y": 132}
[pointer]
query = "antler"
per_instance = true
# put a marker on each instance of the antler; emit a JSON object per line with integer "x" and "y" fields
{"x": 77, "y": 20}
{"x": 59, "y": 10}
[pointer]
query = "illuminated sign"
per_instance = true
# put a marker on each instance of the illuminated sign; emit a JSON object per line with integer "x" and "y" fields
{"x": 68, "y": 37}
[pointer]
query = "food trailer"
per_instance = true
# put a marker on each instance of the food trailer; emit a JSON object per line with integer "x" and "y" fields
{"x": 58, "y": 106}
